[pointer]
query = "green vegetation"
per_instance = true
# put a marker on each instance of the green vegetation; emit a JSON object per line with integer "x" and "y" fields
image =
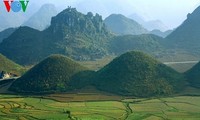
{"x": 24, "y": 39}
{"x": 86, "y": 38}
{"x": 30, "y": 108}
{"x": 71, "y": 33}
{"x": 6, "y": 33}
{"x": 193, "y": 75}
{"x": 132, "y": 74}
{"x": 186, "y": 36}
{"x": 146, "y": 43}
{"x": 174, "y": 108}
{"x": 122, "y": 25}
{"x": 135, "y": 73}
{"x": 10, "y": 67}
{"x": 51, "y": 75}
{"x": 97, "y": 64}
{"x": 183, "y": 67}
{"x": 160, "y": 33}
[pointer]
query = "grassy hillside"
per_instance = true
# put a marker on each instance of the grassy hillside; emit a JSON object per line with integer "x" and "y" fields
{"x": 187, "y": 36}
{"x": 135, "y": 73}
{"x": 147, "y": 43}
{"x": 50, "y": 75}
{"x": 193, "y": 75}
{"x": 6, "y": 33}
{"x": 122, "y": 25}
{"x": 9, "y": 66}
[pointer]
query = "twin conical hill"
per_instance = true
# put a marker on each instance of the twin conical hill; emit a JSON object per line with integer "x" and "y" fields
{"x": 50, "y": 75}
{"x": 193, "y": 75}
{"x": 135, "y": 73}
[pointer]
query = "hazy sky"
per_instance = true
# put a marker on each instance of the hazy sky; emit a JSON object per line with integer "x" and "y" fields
{"x": 171, "y": 12}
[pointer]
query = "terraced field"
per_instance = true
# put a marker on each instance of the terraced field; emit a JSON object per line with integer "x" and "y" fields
{"x": 174, "y": 108}
{"x": 14, "y": 107}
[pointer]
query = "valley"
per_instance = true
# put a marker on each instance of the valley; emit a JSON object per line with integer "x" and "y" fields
{"x": 91, "y": 104}
{"x": 67, "y": 62}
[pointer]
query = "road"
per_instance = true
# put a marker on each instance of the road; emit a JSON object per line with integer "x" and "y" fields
{"x": 183, "y": 62}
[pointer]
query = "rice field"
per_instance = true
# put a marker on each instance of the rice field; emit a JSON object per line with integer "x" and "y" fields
{"x": 14, "y": 107}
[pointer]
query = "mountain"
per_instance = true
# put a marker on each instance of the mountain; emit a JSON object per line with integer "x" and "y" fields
{"x": 187, "y": 35}
{"x": 193, "y": 75}
{"x": 160, "y": 33}
{"x": 147, "y": 43}
{"x": 6, "y": 33}
{"x": 137, "y": 18}
{"x": 10, "y": 67}
{"x": 11, "y": 19}
{"x": 122, "y": 25}
{"x": 71, "y": 33}
{"x": 46, "y": 12}
{"x": 22, "y": 44}
{"x": 149, "y": 25}
{"x": 135, "y": 73}
{"x": 50, "y": 75}
{"x": 155, "y": 24}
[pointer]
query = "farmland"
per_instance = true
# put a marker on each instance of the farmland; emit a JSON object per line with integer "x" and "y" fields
{"x": 35, "y": 108}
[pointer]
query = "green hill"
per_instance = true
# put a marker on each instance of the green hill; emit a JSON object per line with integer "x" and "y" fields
{"x": 6, "y": 33}
{"x": 122, "y": 25}
{"x": 193, "y": 75}
{"x": 71, "y": 33}
{"x": 10, "y": 67}
{"x": 147, "y": 43}
{"x": 135, "y": 73}
{"x": 187, "y": 36}
{"x": 51, "y": 75}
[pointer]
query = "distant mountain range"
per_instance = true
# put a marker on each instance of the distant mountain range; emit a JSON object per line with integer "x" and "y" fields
{"x": 147, "y": 43}
{"x": 187, "y": 35}
{"x": 79, "y": 36}
{"x": 122, "y": 25}
{"x": 29, "y": 18}
{"x": 8, "y": 20}
{"x": 149, "y": 25}
{"x": 160, "y": 33}
{"x": 46, "y": 12}
{"x": 86, "y": 37}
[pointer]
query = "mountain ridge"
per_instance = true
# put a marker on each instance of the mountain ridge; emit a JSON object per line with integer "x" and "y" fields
{"x": 119, "y": 24}
{"x": 71, "y": 33}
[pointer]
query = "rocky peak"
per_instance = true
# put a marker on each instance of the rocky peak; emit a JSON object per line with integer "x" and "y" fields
{"x": 71, "y": 21}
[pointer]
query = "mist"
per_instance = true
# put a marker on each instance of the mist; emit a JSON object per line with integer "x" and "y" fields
{"x": 170, "y": 12}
